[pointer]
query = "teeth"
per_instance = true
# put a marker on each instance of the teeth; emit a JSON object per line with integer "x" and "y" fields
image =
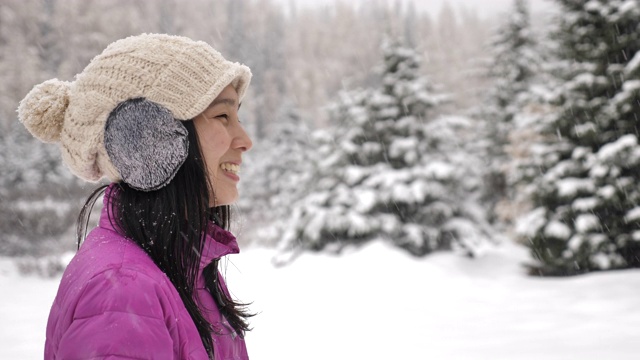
{"x": 233, "y": 168}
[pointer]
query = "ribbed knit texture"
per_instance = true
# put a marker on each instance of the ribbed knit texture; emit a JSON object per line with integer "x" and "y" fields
{"x": 182, "y": 75}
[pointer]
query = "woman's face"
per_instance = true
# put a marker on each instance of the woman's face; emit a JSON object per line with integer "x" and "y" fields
{"x": 222, "y": 142}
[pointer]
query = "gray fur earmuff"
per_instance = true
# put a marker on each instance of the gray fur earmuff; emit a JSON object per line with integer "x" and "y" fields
{"x": 145, "y": 143}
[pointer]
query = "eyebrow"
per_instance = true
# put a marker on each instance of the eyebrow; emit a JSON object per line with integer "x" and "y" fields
{"x": 230, "y": 102}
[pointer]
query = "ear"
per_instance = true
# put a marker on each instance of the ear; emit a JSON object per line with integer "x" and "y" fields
{"x": 145, "y": 143}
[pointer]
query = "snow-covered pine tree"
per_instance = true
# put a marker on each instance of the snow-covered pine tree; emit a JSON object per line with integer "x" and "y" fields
{"x": 587, "y": 212}
{"x": 514, "y": 64}
{"x": 391, "y": 170}
{"x": 38, "y": 196}
{"x": 278, "y": 171}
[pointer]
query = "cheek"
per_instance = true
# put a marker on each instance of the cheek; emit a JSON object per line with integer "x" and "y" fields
{"x": 213, "y": 147}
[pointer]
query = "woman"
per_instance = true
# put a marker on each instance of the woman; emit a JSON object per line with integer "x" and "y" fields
{"x": 158, "y": 116}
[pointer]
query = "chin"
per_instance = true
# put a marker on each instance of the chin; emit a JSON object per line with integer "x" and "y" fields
{"x": 226, "y": 200}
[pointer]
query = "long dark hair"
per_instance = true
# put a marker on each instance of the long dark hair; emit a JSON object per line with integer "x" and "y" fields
{"x": 170, "y": 224}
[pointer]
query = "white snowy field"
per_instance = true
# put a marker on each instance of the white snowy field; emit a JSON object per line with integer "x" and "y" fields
{"x": 378, "y": 303}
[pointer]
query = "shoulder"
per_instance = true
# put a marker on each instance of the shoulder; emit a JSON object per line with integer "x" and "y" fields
{"x": 105, "y": 250}
{"x": 124, "y": 290}
{"x": 112, "y": 293}
{"x": 112, "y": 273}
{"x": 116, "y": 312}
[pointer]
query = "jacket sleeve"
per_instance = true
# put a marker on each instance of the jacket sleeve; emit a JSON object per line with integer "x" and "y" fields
{"x": 120, "y": 315}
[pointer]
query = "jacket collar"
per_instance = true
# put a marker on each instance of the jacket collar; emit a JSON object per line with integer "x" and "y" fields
{"x": 218, "y": 241}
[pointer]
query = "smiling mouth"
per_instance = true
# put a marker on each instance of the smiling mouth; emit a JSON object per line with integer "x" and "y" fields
{"x": 229, "y": 167}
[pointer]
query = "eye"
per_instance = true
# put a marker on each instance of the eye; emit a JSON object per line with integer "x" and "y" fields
{"x": 223, "y": 117}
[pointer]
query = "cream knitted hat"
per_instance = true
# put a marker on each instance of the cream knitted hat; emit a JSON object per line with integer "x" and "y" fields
{"x": 171, "y": 73}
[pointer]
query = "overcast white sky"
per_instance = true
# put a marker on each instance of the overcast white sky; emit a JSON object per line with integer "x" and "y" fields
{"x": 484, "y": 7}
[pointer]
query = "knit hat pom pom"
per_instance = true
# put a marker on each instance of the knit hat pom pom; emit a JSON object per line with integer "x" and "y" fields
{"x": 42, "y": 110}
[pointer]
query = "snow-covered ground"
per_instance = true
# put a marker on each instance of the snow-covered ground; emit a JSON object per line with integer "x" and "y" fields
{"x": 378, "y": 303}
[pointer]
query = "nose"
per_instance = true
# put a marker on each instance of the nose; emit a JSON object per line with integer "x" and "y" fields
{"x": 242, "y": 141}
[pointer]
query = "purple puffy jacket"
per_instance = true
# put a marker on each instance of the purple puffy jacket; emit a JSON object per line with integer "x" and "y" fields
{"x": 115, "y": 303}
